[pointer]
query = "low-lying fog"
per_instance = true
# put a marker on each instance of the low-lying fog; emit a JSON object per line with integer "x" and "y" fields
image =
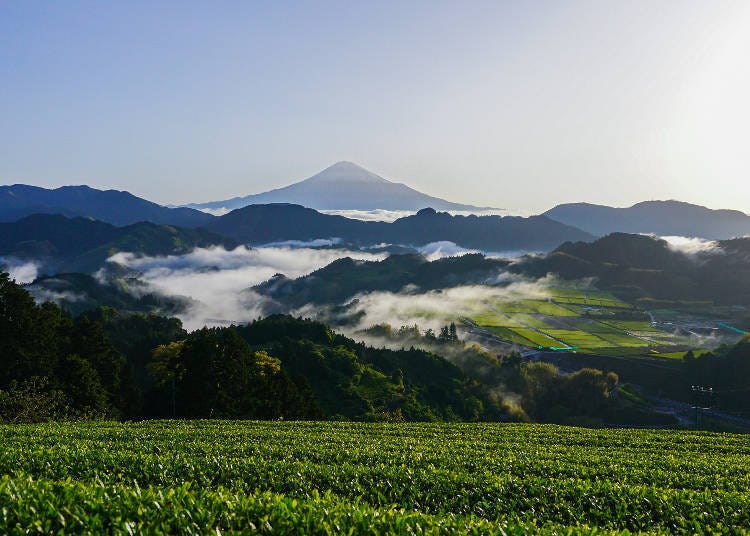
{"x": 392, "y": 215}
{"x": 219, "y": 280}
{"x": 20, "y": 271}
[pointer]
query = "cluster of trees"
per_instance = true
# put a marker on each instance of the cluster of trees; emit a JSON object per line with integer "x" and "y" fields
{"x": 727, "y": 371}
{"x": 412, "y": 333}
{"x": 233, "y": 380}
{"x": 542, "y": 394}
{"x": 447, "y": 334}
{"x": 131, "y": 366}
{"x": 70, "y": 363}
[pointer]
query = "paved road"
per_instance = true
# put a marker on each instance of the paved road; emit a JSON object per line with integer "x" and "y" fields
{"x": 685, "y": 413}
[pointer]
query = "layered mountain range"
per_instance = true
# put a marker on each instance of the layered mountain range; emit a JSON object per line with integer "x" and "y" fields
{"x": 61, "y": 243}
{"x": 262, "y": 224}
{"x": 347, "y": 186}
{"x": 76, "y": 228}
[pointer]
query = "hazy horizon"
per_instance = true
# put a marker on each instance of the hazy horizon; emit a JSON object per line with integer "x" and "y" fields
{"x": 513, "y": 105}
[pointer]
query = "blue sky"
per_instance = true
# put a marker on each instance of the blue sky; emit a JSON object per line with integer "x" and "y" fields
{"x": 512, "y": 104}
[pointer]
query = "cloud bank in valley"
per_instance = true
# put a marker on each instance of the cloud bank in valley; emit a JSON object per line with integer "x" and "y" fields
{"x": 380, "y": 214}
{"x": 442, "y": 249}
{"x": 436, "y": 308}
{"x": 393, "y": 215}
{"x": 215, "y": 211}
{"x": 219, "y": 279}
{"x": 56, "y": 292}
{"x": 371, "y": 215}
{"x": 19, "y": 270}
{"x": 317, "y": 243}
{"x": 692, "y": 245}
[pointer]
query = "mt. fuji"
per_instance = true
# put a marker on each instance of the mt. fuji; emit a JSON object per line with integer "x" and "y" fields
{"x": 344, "y": 185}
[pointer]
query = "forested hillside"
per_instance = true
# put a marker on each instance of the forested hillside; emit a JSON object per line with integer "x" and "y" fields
{"x": 107, "y": 364}
{"x": 63, "y": 244}
{"x": 346, "y": 277}
{"x": 637, "y": 266}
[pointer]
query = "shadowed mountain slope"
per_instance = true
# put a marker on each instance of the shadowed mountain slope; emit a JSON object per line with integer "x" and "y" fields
{"x": 636, "y": 266}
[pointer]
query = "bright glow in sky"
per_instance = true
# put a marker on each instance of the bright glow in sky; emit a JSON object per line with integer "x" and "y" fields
{"x": 509, "y": 104}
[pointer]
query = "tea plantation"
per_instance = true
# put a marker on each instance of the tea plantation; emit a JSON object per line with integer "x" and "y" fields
{"x": 222, "y": 477}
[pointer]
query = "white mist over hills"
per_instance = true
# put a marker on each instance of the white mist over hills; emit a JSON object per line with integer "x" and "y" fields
{"x": 219, "y": 280}
{"x": 342, "y": 186}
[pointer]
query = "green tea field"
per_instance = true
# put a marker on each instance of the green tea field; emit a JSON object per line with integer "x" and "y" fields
{"x": 215, "y": 477}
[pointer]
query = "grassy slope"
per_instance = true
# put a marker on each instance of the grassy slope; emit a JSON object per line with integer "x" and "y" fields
{"x": 327, "y": 478}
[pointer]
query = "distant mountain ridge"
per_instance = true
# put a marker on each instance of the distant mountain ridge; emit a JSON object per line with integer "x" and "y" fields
{"x": 60, "y": 243}
{"x": 663, "y": 218}
{"x": 344, "y": 185}
{"x": 636, "y": 266}
{"x": 262, "y": 224}
{"x": 112, "y": 206}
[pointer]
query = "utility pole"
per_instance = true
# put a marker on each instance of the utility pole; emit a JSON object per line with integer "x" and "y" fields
{"x": 703, "y": 399}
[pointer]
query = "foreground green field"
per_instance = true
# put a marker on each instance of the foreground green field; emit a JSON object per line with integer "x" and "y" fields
{"x": 212, "y": 477}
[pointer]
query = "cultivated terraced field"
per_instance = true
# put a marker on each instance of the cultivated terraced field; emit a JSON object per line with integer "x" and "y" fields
{"x": 208, "y": 477}
{"x": 586, "y": 320}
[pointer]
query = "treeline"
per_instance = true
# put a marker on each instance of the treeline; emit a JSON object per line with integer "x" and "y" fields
{"x": 104, "y": 364}
{"x": 446, "y": 334}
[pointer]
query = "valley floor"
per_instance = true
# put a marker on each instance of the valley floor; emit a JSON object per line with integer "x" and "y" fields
{"x": 222, "y": 477}
{"x": 596, "y": 322}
